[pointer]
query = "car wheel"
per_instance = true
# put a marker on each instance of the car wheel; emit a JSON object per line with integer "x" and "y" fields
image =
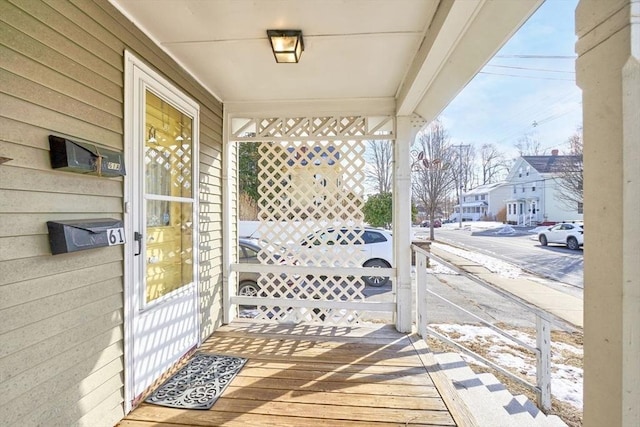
{"x": 376, "y": 281}
{"x": 248, "y": 289}
{"x": 572, "y": 243}
{"x": 543, "y": 240}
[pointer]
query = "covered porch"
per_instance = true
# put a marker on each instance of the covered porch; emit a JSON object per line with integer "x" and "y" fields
{"x": 82, "y": 339}
{"x": 408, "y": 68}
{"x": 321, "y": 375}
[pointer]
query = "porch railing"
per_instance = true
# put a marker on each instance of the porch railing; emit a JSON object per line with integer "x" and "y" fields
{"x": 542, "y": 388}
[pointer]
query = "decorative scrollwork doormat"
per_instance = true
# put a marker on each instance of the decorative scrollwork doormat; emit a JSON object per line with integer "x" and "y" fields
{"x": 199, "y": 383}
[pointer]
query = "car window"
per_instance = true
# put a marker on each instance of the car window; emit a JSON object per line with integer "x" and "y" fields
{"x": 325, "y": 238}
{"x": 350, "y": 237}
{"x": 373, "y": 237}
{"x": 248, "y": 254}
{"x": 556, "y": 227}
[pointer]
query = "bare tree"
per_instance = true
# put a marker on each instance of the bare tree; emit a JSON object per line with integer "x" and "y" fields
{"x": 493, "y": 164}
{"x": 463, "y": 162}
{"x": 380, "y": 155}
{"x": 529, "y": 146}
{"x": 465, "y": 172}
{"x": 570, "y": 174}
{"x": 432, "y": 169}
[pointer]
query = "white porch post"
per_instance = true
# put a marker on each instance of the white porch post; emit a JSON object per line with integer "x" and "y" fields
{"x": 229, "y": 220}
{"x": 608, "y": 71}
{"x": 407, "y": 128}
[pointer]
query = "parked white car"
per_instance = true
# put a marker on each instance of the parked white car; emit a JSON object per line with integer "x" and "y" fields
{"x": 569, "y": 234}
{"x": 348, "y": 247}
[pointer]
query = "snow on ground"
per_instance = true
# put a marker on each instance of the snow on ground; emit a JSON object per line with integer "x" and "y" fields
{"x": 566, "y": 380}
{"x": 494, "y": 265}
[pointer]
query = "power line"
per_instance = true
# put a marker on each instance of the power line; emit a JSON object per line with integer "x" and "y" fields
{"x": 531, "y": 69}
{"x": 525, "y": 77}
{"x": 538, "y": 56}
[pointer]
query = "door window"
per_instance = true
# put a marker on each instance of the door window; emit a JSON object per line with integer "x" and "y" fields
{"x": 168, "y": 198}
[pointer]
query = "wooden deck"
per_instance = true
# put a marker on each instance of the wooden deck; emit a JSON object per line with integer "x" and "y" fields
{"x": 299, "y": 375}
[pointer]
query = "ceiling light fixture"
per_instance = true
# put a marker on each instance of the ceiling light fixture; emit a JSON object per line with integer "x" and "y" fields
{"x": 287, "y": 45}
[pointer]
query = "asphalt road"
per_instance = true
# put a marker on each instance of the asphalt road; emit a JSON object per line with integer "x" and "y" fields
{"x": 554, "y": 262}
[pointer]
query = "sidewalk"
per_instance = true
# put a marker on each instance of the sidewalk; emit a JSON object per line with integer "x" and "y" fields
{"x": 566, "y": 307}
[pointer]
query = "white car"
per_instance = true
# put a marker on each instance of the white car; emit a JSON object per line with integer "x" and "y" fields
{"x": 348, "y": 247}
{"x": 564, "y": 233}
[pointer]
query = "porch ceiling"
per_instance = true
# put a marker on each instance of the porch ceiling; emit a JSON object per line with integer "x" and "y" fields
{"x": 414, "y": 54}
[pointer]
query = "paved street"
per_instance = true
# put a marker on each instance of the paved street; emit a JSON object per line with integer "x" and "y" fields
{"x": 555, "y": 262}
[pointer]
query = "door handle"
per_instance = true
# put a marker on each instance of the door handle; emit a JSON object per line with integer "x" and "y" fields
{"x": 138, "y": 238}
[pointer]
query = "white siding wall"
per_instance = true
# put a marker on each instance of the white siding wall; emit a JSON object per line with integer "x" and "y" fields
{"x": 61, "y": 317}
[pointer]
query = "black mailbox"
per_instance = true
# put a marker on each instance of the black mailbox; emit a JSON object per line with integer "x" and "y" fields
{"x": 78, "y": 235}
{"x": 85, "y": 158}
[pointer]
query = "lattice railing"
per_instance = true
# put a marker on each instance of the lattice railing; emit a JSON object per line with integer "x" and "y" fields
{"x": 311, "y": 174}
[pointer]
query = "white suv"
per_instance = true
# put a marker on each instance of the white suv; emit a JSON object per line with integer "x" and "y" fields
{"x": 564, "y": 233}
{"x": 349, "y": 247}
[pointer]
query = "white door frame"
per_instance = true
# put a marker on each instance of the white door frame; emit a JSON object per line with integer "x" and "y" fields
{"x": 138, "y": 78}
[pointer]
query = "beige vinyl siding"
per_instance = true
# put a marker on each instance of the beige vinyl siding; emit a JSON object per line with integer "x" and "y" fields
{"x": 61, "y": 317}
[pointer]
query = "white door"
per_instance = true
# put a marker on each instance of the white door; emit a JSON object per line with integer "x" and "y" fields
{"x": 161, "y": 289}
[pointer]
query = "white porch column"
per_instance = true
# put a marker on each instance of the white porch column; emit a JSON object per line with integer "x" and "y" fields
{"x": 608, "y": 71}
{"x": 406, "y": 130}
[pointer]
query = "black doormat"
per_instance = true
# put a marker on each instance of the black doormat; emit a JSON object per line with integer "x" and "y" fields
{"x": 199, "y": 383}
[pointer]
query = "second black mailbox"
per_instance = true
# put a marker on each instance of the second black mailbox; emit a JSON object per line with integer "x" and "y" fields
{"x": 78, "y": 235}
{"x": 85, "y": 158}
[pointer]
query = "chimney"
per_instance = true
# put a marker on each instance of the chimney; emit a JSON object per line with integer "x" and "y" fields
{"x": 554, "y": 152}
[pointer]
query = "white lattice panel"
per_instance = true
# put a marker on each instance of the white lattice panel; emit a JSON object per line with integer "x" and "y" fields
{"x": 313, "y": 128}
{"x": 311, "y": 186}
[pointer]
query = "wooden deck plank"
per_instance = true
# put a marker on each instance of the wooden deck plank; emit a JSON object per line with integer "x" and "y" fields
{"x": 330, "y": 414}
{"x": 331, "y": 398}
{"x": 292, "y": 344}
{"x": 314, "y": 375}
{"x": 337, "y": 386}
{"x": 349, "y": 377}
{"x": 291, "y": 350}
{"x": 371, "y": 336}
{"x": 360, "y": 331}
{"x": 337, "y": 367}
{"x": 169, "y": 417}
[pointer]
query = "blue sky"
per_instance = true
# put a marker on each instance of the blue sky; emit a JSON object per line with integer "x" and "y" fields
{"x": 545, "y": 105}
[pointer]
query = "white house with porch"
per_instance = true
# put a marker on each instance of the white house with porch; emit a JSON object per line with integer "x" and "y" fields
{"x": 533, "y": 191}
{"x": 482, "y": 202}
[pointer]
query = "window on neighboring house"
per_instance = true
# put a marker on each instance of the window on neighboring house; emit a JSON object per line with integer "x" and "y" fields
{"x": 476, "y": 197}
{"x": 533, "y": 188}
{"x": 580, "y": 207}
{"x": 523, "y": 188}
{"x": 483, "y": 197}
{"x": 514, "y": 189}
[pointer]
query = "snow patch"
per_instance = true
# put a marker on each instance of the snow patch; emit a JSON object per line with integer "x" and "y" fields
{"x": 566, "y": 380}
{"x": 492, "y": 264}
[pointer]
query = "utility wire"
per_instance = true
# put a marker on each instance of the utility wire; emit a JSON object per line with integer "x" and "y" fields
{"x": 537, "y": 56}
{"x": 531, "y": 69}
{"x": 525, "y": 77}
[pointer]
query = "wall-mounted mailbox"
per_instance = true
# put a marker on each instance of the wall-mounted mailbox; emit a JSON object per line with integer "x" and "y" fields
{"x": 78, "y": 235}
{"x": 85, "y": 158}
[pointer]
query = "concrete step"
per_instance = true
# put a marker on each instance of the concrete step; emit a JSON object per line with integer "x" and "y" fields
{"x": 541, "y": 418}
{"x": 489, "y": 400}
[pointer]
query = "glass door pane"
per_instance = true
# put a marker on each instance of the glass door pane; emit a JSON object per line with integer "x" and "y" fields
{"x": 168, "y": 198}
